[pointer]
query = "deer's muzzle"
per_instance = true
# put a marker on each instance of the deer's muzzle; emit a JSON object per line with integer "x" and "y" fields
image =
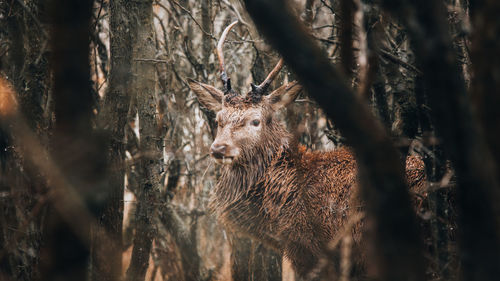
{"x": 220, "y": 152}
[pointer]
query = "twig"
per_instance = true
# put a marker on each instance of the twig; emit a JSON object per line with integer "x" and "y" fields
{"x": 238, "y": 15}
{"x": 152, "y": 60}
{"x": 192, "y": 17}
{"x": 190, "y": 56}
{"x": 324, "y": 26}
{"x": 328, "y": 6}
{"x": 33, "y": 17}
{"x": 399, "y": 61}
{"x": 98, "y": 16}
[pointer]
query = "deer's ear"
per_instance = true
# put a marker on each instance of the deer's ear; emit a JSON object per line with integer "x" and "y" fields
{"x": 209, "y": 96}
{"x": 284, "y": 95}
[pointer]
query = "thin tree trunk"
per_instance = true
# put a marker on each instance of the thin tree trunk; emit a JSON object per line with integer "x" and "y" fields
{"x": 206, "y": 21}
{"x": 251, "y": 261}
{"x": 186, "y": 240}
{"x": 143, "y": 87}
{"x": 106, "y": 258}
{"x": 435, "y": 164}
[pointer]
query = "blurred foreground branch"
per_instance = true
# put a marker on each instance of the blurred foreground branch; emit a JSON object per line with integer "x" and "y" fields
{"x": 478, "y": 189}
{"x": 397, "y": 248}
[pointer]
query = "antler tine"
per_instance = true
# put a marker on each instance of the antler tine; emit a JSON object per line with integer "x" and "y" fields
{"x": 272, "y": 75}
{"x": 262, "y": 88}
{"x": 220, "y": 55}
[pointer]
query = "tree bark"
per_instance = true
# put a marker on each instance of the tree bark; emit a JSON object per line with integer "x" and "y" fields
{"x": 397, "y": 247}
{"x": 186, "y": 240}
{"x": 106, "y": 257}
{"x": 206, "y": 21}
{"x": 143, "y": 87}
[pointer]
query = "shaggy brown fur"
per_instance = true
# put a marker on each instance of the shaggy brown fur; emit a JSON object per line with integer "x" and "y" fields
{"x": 289, "y": 198}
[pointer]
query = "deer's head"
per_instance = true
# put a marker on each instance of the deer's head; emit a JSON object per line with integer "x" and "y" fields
{"x": 244, "y": 122}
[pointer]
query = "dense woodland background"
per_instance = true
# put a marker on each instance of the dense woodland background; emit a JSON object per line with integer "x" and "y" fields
{"x": 104, "y": 165}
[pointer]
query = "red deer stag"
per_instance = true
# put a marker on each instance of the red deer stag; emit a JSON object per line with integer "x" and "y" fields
{"x": 280, "y": 194}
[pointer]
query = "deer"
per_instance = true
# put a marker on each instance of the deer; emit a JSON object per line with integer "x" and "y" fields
{"x": 270, "y": 188}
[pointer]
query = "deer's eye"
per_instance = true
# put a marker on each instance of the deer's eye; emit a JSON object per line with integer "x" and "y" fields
{"x": 255, "y": 122}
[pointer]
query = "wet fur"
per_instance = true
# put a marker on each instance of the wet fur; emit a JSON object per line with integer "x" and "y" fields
{"x": 295, "y": 201}
{"x": 292, "y": 199}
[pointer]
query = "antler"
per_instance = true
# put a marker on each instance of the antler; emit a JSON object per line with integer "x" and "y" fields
{"x": 262, "y": 88}
{"x": 220, "y": 54}
{"x": 256, "y": 90}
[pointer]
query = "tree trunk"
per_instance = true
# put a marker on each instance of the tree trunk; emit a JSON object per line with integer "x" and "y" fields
{"x": 143, "y": 87}
{"x": 106, "y": 258}
{"x": 251, "y": 261}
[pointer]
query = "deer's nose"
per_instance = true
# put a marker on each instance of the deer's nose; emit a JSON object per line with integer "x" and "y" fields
{"x": 218, "y": 150}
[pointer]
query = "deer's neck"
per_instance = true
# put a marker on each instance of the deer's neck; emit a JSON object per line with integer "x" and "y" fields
{"x": 237, "y": 181}
{"x": 240, "y": 177}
